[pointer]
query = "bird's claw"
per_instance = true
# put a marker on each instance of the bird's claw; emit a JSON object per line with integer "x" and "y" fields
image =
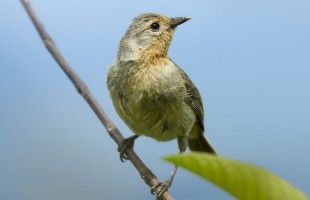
{"x": 127, "y": 143}
{"x": 163, "y": 187}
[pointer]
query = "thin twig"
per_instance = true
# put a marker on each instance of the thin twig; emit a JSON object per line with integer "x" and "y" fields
{"x": 149, "y": 178}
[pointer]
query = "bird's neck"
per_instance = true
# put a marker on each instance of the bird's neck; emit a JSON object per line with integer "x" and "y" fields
{"x": 130, "y": 51}
{"x": 153, "y": 54}
{"x": 158, "y": 49}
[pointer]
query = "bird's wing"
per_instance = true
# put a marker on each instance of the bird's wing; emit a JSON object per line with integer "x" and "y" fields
{"x": 196, "y": 140}
{"x": 193, "y": 98}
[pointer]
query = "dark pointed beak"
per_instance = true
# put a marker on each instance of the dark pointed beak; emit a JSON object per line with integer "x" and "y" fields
{"x": 177, "y": 21}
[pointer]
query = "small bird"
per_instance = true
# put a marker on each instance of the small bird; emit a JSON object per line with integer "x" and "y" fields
{"x": 152, "y": 95}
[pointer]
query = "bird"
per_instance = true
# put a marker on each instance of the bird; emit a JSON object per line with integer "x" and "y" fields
{"x": 151, "y": 93}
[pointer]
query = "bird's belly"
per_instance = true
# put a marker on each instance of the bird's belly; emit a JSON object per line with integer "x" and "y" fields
{"x": 158, "y": 119}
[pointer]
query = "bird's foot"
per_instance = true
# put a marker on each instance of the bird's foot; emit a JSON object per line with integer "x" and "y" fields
{"x": 127, "y": 143}
{"x": 161, "y": 188}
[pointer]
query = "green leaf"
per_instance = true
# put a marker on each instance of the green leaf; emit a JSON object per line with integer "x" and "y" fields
{"x": 244, "y": 181}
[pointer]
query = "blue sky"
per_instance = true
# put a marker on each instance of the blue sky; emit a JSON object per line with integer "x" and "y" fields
{"x": 249, "y": 59}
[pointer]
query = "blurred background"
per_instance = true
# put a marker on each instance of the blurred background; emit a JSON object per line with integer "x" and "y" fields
{"x": 249, "y": 59}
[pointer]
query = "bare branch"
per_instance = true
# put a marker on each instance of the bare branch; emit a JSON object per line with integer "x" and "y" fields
{"x": 149, "y": 178}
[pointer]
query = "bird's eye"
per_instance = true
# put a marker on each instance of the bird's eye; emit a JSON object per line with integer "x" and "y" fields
{"x": 154, "y": 26}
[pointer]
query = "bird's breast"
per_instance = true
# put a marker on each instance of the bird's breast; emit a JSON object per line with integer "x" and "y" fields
{"x": 151, "y": 101}
{"x": 156, "y": 79}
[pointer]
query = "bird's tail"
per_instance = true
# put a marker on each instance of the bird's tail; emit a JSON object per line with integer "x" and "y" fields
{"x": 198, "y": 142}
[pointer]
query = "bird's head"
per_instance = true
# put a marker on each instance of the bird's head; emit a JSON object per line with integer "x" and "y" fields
{"x": 149, "y": 34}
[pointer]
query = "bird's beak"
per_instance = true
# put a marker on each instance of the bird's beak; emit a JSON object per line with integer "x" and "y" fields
{"x": 174, "y": 22}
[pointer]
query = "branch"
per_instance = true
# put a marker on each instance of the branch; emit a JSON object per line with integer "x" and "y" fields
{"x": 146, "y": 174}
